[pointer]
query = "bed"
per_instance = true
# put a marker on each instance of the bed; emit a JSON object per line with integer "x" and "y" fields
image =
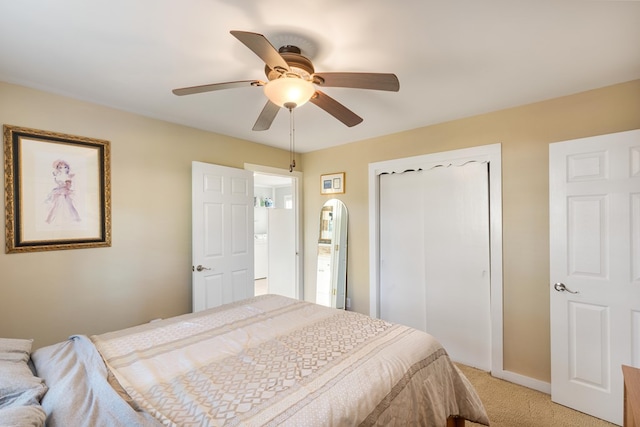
{"x": 264, "y": 361}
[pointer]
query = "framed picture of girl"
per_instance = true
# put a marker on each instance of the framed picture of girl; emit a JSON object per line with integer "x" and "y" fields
{"x": 57, "y": 191}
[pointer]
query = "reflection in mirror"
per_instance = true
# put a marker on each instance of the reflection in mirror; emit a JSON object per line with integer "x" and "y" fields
{"x": 331, "y": 283}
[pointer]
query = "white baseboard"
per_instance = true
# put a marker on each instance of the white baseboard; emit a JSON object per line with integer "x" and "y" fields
{"x": 524, "y": 381}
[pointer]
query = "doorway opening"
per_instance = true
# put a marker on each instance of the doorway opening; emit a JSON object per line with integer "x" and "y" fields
{"x": 276, "y": 232}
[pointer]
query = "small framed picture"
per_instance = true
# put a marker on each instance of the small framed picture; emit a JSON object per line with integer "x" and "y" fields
{"x": 332, "y": 183}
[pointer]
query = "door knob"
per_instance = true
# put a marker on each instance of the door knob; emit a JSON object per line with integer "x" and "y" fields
{"x": 560, "y": 287}
{"x": 201, "y": 268}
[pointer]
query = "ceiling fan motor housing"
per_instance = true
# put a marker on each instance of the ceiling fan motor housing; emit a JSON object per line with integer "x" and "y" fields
{"x": 299, "y": 65}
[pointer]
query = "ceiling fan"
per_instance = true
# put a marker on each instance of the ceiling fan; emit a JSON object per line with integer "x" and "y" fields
{"x": 292, "y": 80}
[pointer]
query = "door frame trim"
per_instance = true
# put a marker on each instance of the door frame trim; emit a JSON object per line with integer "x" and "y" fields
{"x": 490, "y": 153}
{"x": 296, "y": 177}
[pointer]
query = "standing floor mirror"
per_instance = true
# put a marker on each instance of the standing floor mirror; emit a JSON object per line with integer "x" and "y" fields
{"x": 331, "y": 283}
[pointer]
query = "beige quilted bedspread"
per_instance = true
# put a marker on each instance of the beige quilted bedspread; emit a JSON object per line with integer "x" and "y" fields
{"x": 276, "y": 361}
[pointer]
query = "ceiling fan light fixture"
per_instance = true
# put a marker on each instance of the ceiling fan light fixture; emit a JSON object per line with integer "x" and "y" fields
{"x": 290, "y": 91}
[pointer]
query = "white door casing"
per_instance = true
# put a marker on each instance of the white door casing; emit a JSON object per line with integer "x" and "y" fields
{"x": 594, "y": 199}
{"x": 222, "y": 235}
{"x": 488, "y": 153}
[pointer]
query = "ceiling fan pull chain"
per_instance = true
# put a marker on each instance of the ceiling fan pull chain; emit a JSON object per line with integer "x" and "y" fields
{"x": 292, "y": 142}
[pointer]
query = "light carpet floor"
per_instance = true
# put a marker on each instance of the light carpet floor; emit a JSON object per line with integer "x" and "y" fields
{"x": 511, "y": 405}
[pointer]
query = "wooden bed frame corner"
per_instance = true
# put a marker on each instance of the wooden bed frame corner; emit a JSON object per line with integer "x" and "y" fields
{"x": 455, "y": 422}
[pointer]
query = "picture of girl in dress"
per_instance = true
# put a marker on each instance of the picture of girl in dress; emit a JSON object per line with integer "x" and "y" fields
{"x": 61, "y": 196}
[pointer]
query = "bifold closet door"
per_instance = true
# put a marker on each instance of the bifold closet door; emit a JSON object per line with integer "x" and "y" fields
{"x": 402, "y": 290}
{"x": 434, "y": 252}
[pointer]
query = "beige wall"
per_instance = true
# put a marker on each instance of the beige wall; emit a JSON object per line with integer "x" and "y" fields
{"x": 525, "y": 133}
{"x": 146, "y": 273}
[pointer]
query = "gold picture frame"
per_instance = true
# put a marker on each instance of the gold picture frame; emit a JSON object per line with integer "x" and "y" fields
{"x": 57, "y": 191}
{"x": 332, "y": 183}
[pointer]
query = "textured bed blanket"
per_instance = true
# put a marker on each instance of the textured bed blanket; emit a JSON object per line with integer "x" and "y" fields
{"x": 276, "y": 361}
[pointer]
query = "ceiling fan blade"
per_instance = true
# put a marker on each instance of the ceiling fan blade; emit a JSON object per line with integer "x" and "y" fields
{"x": 216, "y": 86}
{"x": 376, "y": 81}
{"x": 336, "y": 109}
{"x": 263, "y": 48}
{"x": 266, "y": 117}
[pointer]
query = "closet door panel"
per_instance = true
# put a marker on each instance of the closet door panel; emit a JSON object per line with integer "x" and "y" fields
{"x": 402, "y": 290}
{"x": 456, "y": 261}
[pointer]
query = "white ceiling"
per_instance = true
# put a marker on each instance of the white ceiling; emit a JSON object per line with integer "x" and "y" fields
{"x": 453, "y": 58}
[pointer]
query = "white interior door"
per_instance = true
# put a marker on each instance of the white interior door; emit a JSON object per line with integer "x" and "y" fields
{"x": 594, "y": 189}
{"x": 282, "y": 252}
{"x": 434, "y": 252}
{"x": 222, "y": 235}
